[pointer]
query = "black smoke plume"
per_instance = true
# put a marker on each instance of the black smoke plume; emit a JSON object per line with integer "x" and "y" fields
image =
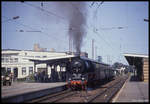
{"x": 73, "y": 11}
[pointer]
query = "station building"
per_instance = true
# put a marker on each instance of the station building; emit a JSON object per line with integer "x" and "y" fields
{"x": 18, "y": 63}
{"x": 23, "y": 63}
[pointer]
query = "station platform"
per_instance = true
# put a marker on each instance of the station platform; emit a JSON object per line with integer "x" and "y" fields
{"x": 133, "y": 91}
{"x": 21, "y": 92}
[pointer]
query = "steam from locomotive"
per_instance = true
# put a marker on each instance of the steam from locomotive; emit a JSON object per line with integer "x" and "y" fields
{"x": 76, "y": 25}
{"x": 77, "y": 20}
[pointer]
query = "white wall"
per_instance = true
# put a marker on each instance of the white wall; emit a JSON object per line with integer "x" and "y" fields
{"x": 24, "y": 62}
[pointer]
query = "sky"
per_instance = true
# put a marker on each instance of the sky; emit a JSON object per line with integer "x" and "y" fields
{"x": 116, "y": 27}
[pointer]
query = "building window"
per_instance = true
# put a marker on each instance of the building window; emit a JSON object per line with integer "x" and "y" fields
{"x": 11, "y": 60}
{"x": 7, "y": 60}
{"x": 30, "y": 70}
{"x": 23, "y": 70}
{"x": 16, "y": 60}
{"x": 8, "y": 70}
{"x": 44, "y": 56}
{"x": 3, "y": 71}
{"x": 37, "y": 56}
{"x": 2, "y": 59}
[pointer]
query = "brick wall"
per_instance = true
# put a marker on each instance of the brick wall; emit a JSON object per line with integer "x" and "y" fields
{"x": 146, "y": 69}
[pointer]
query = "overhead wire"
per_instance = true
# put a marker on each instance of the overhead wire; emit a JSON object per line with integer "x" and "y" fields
{"x": 99, "y": 35}
{"x": 111, "y": 29}
{"x": 64, "y": 18}
{"x": 92, "y": 3}
{"x": 86, "y": 25}
{"x": 49, "y": 12}
{"x": 95, "y": 29}
{"x": 50, "y": 36}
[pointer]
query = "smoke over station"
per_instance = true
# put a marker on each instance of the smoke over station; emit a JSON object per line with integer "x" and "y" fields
{"x": 77, "y": 21}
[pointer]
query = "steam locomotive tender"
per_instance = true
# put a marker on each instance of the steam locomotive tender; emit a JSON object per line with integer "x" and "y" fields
{"x": 86, "y": 73}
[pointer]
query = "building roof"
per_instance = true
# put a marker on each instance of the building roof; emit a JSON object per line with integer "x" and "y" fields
{"x": 11, "y": 50}
{"x": 135, "y": 55}
{"x": 30, "y": 50}
{"x": 135, "y": 59}
{"x": 52, "y": 58}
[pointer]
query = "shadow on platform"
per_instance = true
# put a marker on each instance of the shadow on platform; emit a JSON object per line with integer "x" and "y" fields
{"x": 134, "y": 79}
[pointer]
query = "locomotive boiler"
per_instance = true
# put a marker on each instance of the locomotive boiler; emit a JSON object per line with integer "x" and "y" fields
{"x": 85, "y": 73}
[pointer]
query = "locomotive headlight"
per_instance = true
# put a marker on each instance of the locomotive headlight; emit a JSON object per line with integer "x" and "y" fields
{"x": 83, "y": 78}
{"x": 69, "y": 79}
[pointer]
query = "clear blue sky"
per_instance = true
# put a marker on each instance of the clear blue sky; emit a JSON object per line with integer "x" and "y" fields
{"x": 110, "y": 41}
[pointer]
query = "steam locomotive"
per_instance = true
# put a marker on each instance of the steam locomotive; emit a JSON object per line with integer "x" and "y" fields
{"x": 86, "y": 72}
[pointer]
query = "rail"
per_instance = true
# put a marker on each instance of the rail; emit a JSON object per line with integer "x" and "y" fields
{"x": 54, "y": 97}
{"x": 112, "y": 89}
{"x": 104, "y": 93}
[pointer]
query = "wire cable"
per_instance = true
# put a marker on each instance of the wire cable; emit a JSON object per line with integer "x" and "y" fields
{"x": 36, "y": 29}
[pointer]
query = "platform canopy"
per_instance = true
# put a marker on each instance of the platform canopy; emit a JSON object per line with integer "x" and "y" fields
{"x": 134, "y": 59}
{"x": 53, "y": 59}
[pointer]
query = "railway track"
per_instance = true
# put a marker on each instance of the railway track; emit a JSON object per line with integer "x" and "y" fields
{"x": 104, "y": 93}
{"x": 107, "y": 93}
{"x": 54, "y": 97}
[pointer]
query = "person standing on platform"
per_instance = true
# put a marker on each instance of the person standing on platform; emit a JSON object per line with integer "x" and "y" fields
{"x": 38, "y": 77}
{"x": 11, "y": 77}
{"x": 35, "y": 76}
